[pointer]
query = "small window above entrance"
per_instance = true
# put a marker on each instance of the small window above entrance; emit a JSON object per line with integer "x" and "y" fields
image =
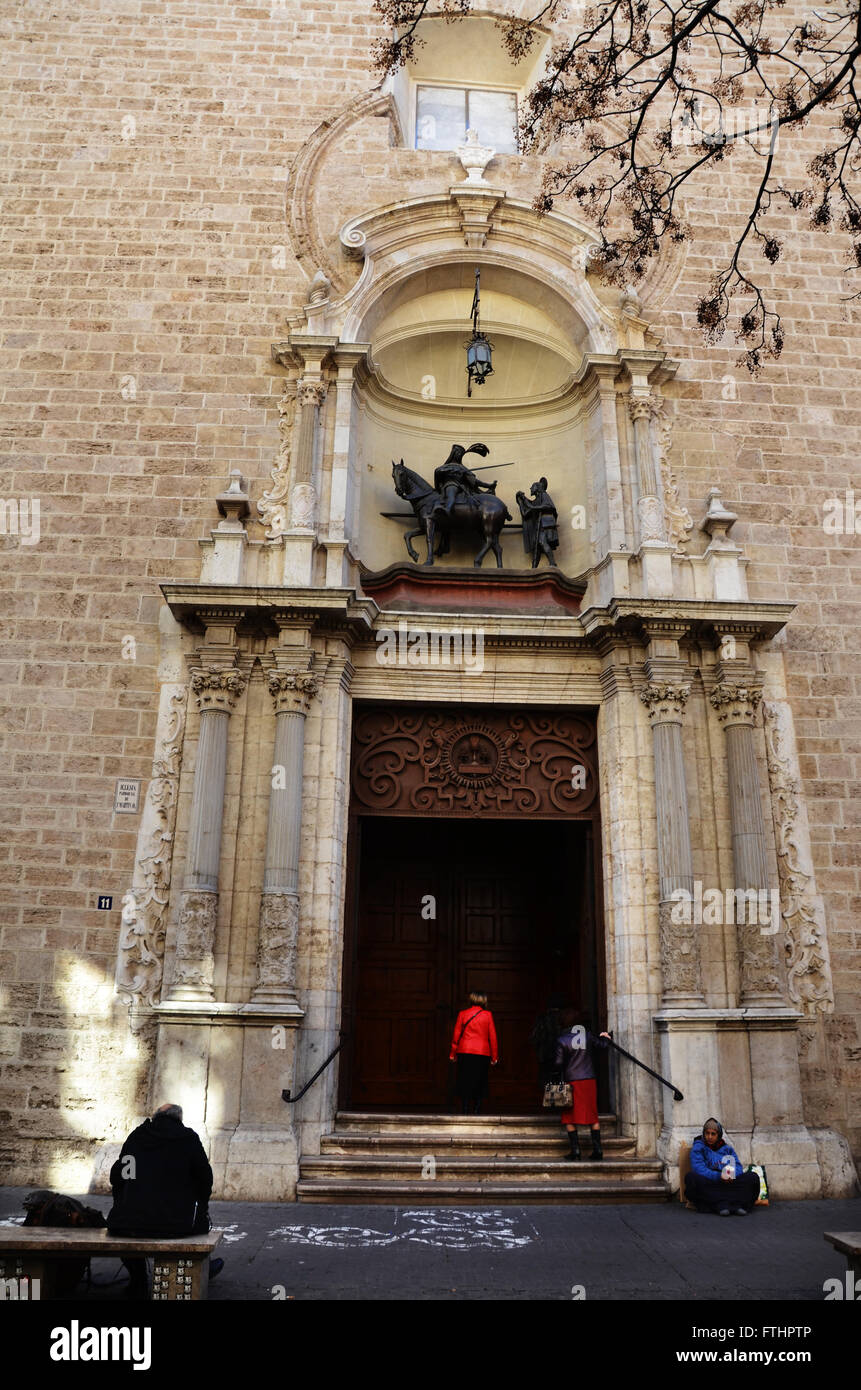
{"x": 445, "y": 114}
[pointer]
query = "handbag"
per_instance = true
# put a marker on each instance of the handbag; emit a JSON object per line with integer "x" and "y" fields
{"x": 558, "y": 1095}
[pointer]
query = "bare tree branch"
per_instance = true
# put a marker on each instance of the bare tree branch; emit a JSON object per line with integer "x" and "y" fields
{"x": 651, "y": 93}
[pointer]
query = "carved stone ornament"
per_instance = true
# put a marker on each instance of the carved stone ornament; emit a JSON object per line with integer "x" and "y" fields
{"x": 474, "y": 157}
{"x": 218, "y": 690}
{"x": 321, "y": 288}
{"x": 292, "y": 691}
{"x": 312, "y": 393}
{"x": 496, "y": 762}
{"x": 805, "y": 944}
{"x": 665, "y": 703}
{"x": 651, "y": 514}
{"x": 680, "y": 956}
{"x": 273, "y": 504}
{"x": 194, "y": 965}
{"x": 678, "y": 520}
{"x": 142, "y": 931}
{"x": 736, "y": 704}
{"x": 760, "y": 976}
{"x": 303, "y": 505}
{"x": 277, "y": 935}
{"x": 641, "y": 407}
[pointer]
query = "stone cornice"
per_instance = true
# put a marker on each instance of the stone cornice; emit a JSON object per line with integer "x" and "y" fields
{"x": 703, "y": 616}
{"x": 341, "y": 607}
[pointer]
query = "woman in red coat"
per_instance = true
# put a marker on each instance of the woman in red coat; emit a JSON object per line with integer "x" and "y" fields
{"x": 474, "y": 1047}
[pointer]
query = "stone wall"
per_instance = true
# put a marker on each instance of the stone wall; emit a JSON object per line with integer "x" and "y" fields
{"x": 152, "y": 268}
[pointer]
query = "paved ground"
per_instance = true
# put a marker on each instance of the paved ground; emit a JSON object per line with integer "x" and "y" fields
{"x": 625, "y": 1252}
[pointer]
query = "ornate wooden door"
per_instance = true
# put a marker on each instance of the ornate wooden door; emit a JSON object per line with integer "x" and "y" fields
{"x": 471, "y": 866}
{"x": 447, "y": 907}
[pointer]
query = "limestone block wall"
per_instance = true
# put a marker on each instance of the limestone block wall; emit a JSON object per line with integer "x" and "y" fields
{"x": 152, "y": 154}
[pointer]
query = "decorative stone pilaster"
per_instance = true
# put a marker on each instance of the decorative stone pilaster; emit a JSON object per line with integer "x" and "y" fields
{"x": 805, "y": 940}
{"x": 649, "y": 506}
{"x": 736, "y": 707}
{"x": 311, "y": 394}
{"x": 278, "y": 922}
{"x": 216, "y": 692}
{"x": 680, "y": 948}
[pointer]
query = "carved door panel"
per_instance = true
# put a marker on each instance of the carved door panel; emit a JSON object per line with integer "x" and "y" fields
{"x": 399, "y": 1042}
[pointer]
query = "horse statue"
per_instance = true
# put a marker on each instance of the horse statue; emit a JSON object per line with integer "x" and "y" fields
{"x": 438, "y": 514}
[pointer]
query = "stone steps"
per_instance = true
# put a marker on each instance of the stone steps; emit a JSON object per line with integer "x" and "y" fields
{"x": 366, "y": 1192}
{"x": 374, "y": 1158}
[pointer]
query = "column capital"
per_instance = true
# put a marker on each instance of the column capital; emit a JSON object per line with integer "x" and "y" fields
{"x": 665, "y": 702}
{"x": 736, "y": 704}
{"x": 312, "y": 391}
{"x": 218, "y": 690}
{"x": 642, "y": 407}
{"x": 292, "y": 691}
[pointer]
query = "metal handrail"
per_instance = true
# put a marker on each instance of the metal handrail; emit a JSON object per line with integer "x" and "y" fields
{"x": 677, "y": 1095}
{"x": 291, "y": 1099}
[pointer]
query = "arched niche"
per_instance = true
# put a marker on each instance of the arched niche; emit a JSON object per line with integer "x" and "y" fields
{"x": 565, "y": 360}
{"x": 411, "y": 399}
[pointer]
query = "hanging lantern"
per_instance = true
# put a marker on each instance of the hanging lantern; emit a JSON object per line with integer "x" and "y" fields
{"x": 479, "y": 351}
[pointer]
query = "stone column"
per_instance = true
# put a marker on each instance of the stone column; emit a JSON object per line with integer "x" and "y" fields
{"x": 736, "y": 707}
{"x": 649, "y": 506}
{"x": 680, "y": 946}
{"x": 292, "y": 692}
{"x": 194, "y": 967}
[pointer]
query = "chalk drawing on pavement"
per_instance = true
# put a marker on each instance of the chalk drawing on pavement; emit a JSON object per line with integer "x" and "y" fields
{"x": 444, "y": 1227}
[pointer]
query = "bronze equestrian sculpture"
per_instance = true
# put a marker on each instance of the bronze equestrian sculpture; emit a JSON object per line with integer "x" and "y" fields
{"x": 462, "y": 503}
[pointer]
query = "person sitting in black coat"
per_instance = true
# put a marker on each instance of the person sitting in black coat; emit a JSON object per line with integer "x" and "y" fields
{"x": 161, "y": 1184}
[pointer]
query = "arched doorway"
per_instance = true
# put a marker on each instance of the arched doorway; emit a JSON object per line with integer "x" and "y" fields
{"x": 473, "y": 864}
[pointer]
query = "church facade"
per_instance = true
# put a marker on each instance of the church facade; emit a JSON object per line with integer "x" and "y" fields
{"x": 374, "y": 776}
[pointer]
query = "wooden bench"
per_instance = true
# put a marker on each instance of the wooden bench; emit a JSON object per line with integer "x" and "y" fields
{"x": 180, "y": 1263}
{"x": 849, "y": 1244}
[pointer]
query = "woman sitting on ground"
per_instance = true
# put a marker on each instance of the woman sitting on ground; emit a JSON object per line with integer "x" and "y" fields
{"x": 717, "y": 1180}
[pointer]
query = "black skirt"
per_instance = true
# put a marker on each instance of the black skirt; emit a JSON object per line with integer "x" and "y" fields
{"x": 472, "y": 1074}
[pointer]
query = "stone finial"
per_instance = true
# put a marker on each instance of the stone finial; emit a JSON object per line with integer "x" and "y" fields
{"x": 474, "y": 157}
{"x": 320, "y": 290}
{"x": 629, "y": 303}
{"x": 718, "y": 520}
{"x": 233, "y": 504}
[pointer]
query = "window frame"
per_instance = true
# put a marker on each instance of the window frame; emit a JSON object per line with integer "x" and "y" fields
{"x": 430, "y": 84}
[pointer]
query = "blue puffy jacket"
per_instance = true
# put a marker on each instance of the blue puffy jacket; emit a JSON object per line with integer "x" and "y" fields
{"x": 707, "y": 1163}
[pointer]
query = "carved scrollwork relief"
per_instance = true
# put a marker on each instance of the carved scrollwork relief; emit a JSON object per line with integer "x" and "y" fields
{"x": 680, "y": 955}
{"x": 493, "y": 762}
{"x": 142, "y": 933}
{"x": 806, "y": 951}
{"x": 277, "y": 935}
{"x": 194, "y": 966}
{"x": 273, "y": 504}
{"x": 679, "y": 521}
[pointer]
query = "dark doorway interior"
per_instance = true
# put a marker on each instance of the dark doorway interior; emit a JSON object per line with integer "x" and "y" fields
{"x": 442, "y": 907}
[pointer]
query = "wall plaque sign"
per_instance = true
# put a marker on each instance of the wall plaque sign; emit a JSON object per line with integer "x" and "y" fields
{"x": 127, "y": 795}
